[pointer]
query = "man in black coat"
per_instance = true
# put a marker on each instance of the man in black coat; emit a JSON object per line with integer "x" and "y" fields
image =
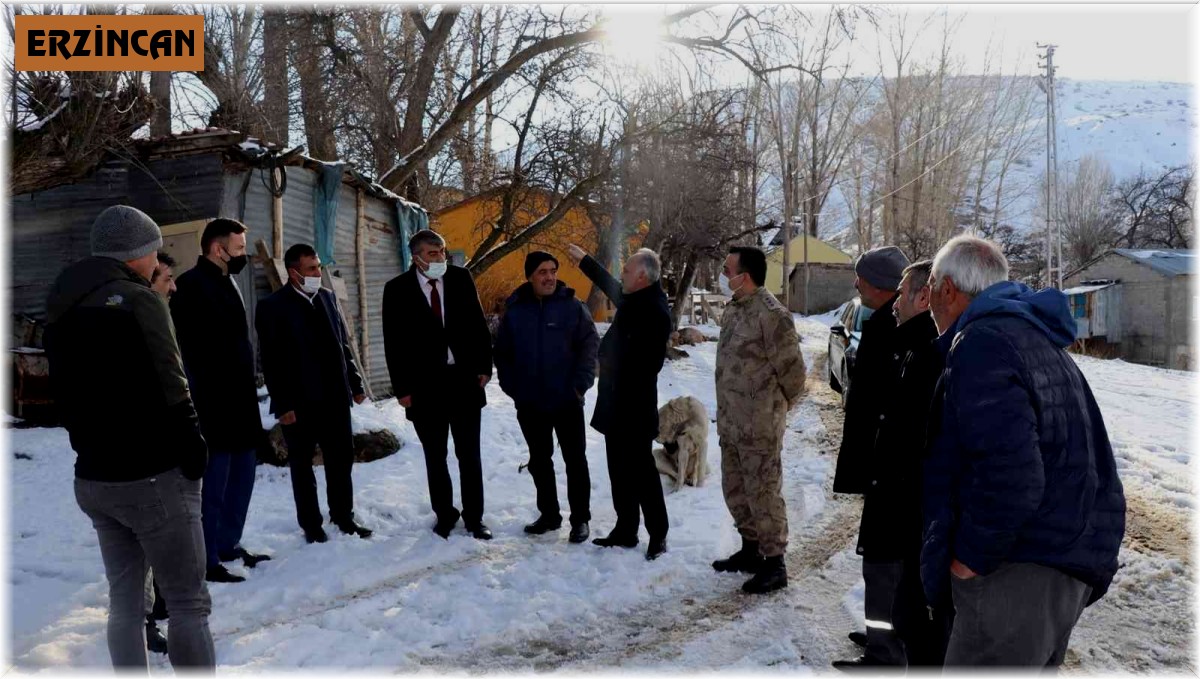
{"x": 546, "y": 362}
{"x": 439, "y": 355}
{"x": 631, "y": 356}
{"x": 873, "y": 381}
{"x": 312, "y": 379}
{"x": 214, "y": 339}
{"x": 891, "y": 520}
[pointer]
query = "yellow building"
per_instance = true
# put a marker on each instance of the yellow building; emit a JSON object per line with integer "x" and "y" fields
{"x": 819, "y": 252}
{"x": 467, "y": 223}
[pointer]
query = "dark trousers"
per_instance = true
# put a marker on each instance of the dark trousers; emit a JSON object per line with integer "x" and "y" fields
{"x": 635, "y": 485}
{"x": 228, "y": 485}
{"x": 924, "y": 629}
{"x": 881, "y": 579}
{"x": 539, "y": 429}
{"x": 1021, "y": 614}
{"x": 433, "y": 426}
{"x": 329, "y": 428}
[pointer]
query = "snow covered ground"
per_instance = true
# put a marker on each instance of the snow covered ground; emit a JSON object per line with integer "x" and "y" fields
{"x": 406, "y": 600}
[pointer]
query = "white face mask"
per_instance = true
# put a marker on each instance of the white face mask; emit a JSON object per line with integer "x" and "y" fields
{"x": 311, "y": 284}
{"x": 436, "y": 269}
{"x": 723, "y": 281}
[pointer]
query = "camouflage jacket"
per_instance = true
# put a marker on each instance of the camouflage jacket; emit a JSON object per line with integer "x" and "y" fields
{"x": 760, "y": 371}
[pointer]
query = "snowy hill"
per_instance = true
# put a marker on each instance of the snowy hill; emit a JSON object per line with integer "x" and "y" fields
{"x": 1133, "y": 125}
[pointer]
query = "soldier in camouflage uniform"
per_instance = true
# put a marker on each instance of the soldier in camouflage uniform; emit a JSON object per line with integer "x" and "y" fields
{"x": 760, "y": 376}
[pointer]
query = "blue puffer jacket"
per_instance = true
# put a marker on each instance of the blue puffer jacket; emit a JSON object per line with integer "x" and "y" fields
{"x": 546, "y": 349}
{"x": 1021, "y": 469}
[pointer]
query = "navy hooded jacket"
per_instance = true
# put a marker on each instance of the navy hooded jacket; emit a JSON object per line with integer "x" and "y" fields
{"x": 546, "y": 349}
{"x": 1020, "y": 469}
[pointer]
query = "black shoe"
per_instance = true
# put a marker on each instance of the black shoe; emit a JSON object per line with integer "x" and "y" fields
{"x": 219, "y": 573}
{"x": 155, "y": 641}
{"x": 544, "y": 524}
{"x": 579, "y": 533}
{"x": 315, "y": 535}
{"x": 859, "y": 638}
{"x": 772, "y": 576}
{"x": 248, "y": 560}
{"x": 351, "y": 528}
{"x": 745, "y": 560}
{"x": 657, "y": 548}
{"x": 863, "y": 662}
{"x": 443, "y": 528}
{"x": 615, "y": 539}
{"x": 480, "y": 531}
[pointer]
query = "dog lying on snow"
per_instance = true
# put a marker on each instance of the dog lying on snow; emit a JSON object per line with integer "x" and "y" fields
{"x": 683, "y": 431}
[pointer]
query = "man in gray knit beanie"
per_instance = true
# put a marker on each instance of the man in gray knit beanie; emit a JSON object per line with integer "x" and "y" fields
{"x": 112, "y": 350}
{"x": 125, "y": 234}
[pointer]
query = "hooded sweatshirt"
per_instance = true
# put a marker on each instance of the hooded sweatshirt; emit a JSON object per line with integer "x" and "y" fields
{"x": 1021, "y": 469}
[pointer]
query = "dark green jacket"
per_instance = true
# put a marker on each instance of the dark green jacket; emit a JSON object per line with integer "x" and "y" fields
{"x": 117, "y": 377}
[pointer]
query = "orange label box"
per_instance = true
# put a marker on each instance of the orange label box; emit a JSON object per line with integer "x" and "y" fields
{"x": 99, "y": 42}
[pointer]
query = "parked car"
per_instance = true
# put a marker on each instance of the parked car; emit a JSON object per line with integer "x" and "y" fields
{"x": 843, "y": 343}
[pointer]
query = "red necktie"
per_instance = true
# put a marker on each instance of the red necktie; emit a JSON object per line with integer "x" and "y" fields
{"x": 435, "y": 300}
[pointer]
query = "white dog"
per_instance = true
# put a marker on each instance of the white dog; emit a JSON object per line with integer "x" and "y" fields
{"x": 683, "y": 431}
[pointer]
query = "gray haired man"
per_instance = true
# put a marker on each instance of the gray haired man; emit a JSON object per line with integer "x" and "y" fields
{"x": 631, "y": 356}
{"x": 439, "y": 355}
{"x": 1023, "y": 509}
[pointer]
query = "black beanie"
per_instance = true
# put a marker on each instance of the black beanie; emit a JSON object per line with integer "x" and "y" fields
{"x": 535, "y": 259}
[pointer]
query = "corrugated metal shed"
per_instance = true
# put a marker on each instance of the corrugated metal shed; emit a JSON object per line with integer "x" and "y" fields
{"x": 202, "y": 176}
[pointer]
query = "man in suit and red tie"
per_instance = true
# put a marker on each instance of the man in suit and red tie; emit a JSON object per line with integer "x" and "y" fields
{"x": 439, "y": 355}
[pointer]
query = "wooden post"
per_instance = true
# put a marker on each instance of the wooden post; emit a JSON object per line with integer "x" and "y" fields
{"x": 277, "y": 275}
{"x": 360, "y": 260}
{"x": 277, "y": 222}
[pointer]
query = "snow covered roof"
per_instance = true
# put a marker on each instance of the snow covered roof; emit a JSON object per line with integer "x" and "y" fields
{"x": 1167, "y": 262}
{"x": 1088, "y": 287}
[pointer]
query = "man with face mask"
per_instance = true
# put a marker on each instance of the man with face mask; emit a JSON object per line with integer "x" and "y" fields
{"x": 312, "y": 379}
{"x": 214, "y": 338}
{"x": 439, "y": 355}
{"x": 760, "y": 376}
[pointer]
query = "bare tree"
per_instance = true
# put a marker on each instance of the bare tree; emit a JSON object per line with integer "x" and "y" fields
{"x": 1089, "y": 225}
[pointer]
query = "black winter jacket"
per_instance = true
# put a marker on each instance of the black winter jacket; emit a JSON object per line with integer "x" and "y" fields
{"x": 891, "y": 519}
{"x": 116, "y": 376}
{"x": 873, "y": 382}
{"x": 546, "y": 349}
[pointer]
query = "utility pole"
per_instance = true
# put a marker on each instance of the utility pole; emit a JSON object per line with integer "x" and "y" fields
{"x": 804, "y": 222}
{"x": 789, "y": 197}
{"x": 1053, "y": 239}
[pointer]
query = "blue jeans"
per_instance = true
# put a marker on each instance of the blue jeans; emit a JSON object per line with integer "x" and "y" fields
{"x": 152, "y": 523}
{"x": 228, "y": 484}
